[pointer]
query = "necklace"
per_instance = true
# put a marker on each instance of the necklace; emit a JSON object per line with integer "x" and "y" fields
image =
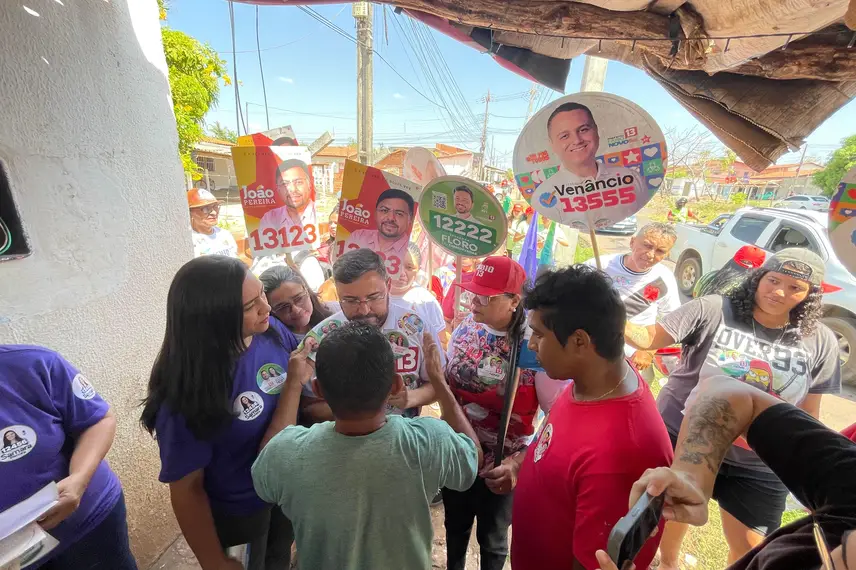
{"x": 602, "y": 396}
{"x": 777, "y": 341}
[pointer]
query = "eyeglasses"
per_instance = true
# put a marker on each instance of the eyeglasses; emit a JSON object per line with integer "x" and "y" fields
{"x": 368, "y": 301}
{"x": 215, "y": 208}
{"x": 288, "y": 307}
{"x": 297, "y": 183}
{"x": 383, "y": 211}
{"x": 485, "y": 300}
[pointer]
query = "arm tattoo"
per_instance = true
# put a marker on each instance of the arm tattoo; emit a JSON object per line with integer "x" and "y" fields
{"x": 712, "y": 427}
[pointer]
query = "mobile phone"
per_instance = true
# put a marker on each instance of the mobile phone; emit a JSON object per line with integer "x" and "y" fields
{"x": 630, "y": 533}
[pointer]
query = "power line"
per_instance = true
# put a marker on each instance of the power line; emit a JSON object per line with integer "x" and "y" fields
{"x": 261, "y": 70}
{"x": 239, "y": 117}
{"x": 292, "y": 42}
{"x": 346, "y": 35}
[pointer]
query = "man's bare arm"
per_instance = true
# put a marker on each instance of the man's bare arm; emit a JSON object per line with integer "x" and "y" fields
{"x": 652, "y": 337}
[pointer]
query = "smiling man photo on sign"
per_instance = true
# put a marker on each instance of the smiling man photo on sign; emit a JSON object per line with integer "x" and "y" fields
{"x": 394, "y": 220}
{"x": 294, "y": 186}
{"x": 583, "y": 183}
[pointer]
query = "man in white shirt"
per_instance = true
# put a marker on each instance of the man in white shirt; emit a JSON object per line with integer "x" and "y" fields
{"x": 208, "y": 239}
{"x": 294, "y": 185}
{"x": 394, "y": 220}
{"x": 646, "y": 286}
{"x": 583, "y": 184}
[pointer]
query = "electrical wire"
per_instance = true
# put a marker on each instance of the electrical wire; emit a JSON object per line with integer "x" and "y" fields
{"x": 349, "y": 37}
{"x": 239, "y": 117}
{"x": 261, "y": 70}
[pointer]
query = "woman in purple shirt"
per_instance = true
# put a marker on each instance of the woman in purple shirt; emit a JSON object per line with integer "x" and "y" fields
{"x": 209, "y": 405}
{"x": 56, "y": 428}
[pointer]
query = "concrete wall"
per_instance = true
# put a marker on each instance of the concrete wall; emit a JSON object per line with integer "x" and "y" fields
{"x": 88, "y": 141}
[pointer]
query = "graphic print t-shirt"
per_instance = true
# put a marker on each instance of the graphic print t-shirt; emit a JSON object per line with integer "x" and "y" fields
{"x": 478, "y": 360}
{"x": 220, "y": 242}
{"x": 403, "y": 329}
{"x": 715, "y": 344}
{"x": 646, "y": 296}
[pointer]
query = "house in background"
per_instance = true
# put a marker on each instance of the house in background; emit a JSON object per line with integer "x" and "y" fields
{"x": 773, "y": 183}
{"x": 214, "y": 157}
{"x": 328, "y": 166}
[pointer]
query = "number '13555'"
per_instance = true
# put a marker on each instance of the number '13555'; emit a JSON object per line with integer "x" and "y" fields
{"x": 596, "y": 200}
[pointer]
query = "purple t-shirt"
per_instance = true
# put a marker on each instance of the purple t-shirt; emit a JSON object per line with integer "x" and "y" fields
{"x": 46, "y": 403}
{"x": 228, "y": 456}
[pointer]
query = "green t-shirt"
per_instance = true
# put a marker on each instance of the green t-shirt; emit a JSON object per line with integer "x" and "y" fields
{"x": 364, "y": 501}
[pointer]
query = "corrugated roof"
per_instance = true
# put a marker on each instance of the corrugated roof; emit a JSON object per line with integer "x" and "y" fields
{"x": 212, "y": 140}
{"x": 337, "y": 152}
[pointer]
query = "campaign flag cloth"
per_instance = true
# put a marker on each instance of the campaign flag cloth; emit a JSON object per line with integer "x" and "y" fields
{"x": 547, "y": 251}
{"x": 529, "y": 252}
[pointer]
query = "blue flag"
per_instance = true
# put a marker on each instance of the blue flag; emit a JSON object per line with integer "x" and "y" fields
{"x": 529, "y": 252}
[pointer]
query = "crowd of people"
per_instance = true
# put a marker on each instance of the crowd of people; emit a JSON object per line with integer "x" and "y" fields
{"x": 290, "y": 410}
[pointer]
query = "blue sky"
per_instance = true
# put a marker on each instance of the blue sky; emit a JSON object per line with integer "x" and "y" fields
{"x": 311, "y": 81}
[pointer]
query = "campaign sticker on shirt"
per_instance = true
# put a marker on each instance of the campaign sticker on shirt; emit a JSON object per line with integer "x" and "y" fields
{"x": 491, "y": 370}
{"x": 270, "y": 378}
{"x": 543, "y": 442}
{"x": 81, "y": 387}
{"x": 409, "y": 362}
{"x": 461, "y": 217}
{"x": 411, "y": 324}
{"x": 399, "y": 343}
{"x": 248, "y": 406}
{"x": 18, "y": 441}
{"x": 590, "y": 160}
{"x": 842, "y": 221}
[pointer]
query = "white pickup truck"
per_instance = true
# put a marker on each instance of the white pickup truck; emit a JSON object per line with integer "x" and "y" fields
{"x": 703, "y": 248}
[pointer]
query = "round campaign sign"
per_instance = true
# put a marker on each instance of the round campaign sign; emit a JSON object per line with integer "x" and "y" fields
{"x": 461, "y": 217}
{"x": 842, "y": 221}
{"x": 421, "y": 166}
{"x": 590, "y": 160}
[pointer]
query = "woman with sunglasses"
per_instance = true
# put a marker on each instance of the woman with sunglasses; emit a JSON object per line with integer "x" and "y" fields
{"x": 209, "y": 406}
{"x": 479, "y": 356}
{"x": 292, "y": 301}
{"x": 767, "y": 334}
{"x": 208, "y": 239}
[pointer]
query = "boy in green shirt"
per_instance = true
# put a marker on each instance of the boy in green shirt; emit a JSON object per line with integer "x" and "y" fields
{"x": 358, "y": 489}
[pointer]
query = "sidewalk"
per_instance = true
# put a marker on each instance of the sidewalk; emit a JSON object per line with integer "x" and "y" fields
{"x": 179, "y": 557}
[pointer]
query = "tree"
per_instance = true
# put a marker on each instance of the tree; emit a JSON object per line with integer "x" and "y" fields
{"x": 195, "y": 72}
{"x": 690, "y": 153}
{"x": 222, "y": 132}
{"x": 841, "y": 162}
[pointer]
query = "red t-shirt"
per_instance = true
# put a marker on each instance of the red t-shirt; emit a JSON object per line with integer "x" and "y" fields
{"x": 449, "y": 299}
{"x": 849, "y": 432}
{"x": 575, "y": 481}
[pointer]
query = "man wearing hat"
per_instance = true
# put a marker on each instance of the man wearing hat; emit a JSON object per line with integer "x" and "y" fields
{"x": 208, "y": 239}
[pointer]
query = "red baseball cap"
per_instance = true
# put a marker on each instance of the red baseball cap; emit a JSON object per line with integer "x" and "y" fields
{"x": 496, "y": 275}
{"x": 750, "y": 256}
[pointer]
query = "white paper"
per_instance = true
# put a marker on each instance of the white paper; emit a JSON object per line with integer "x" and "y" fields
{"x": 22, "y": 540}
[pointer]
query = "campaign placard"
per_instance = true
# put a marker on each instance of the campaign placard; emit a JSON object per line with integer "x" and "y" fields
{"x": 842, "y": 221}
{"x": 462, "y": 217}
{"x": 421, "y": 166}
{"x": 590, "y": 160}
{"x": 278, "y": 198}
{"x": 377, "y": 211}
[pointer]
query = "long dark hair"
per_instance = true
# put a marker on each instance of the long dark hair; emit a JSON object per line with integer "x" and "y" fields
{"x": 804, "y": 317}
{"x": 275, "y": 276}
{"x": 193, "y": 373}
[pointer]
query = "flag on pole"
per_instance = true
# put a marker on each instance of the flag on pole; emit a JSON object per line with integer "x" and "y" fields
{"x": 547, "y": 251}
{"x": 529, "y": 252}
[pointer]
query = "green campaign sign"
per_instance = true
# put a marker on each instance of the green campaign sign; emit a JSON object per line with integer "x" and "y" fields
{"x": 462, "y": 217}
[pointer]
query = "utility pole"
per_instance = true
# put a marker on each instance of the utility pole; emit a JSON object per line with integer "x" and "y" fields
{"x": 532, "y": 92}
{"x": 362, "y": 12}
{"x": 246, "y": 118}
{"x": 799, "y": 167}
{"x": 594, "y": 74}
{"x": 484, "y": 136}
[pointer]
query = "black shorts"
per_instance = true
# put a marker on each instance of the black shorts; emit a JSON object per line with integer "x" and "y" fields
{"x": 755, "y": 498}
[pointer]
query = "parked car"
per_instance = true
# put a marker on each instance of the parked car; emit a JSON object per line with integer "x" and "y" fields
{"x": 804, "y": 202}
{"x": 625, "y": 227}
{"x": 700, "y": 249}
